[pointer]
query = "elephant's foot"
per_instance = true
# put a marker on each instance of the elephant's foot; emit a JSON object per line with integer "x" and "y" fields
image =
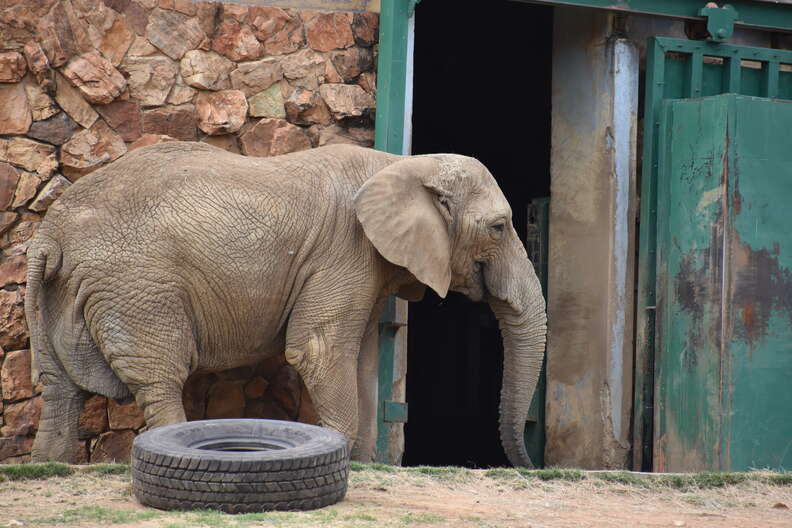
{"x": 161, "y": 406}
{"x": 57, "y": 439}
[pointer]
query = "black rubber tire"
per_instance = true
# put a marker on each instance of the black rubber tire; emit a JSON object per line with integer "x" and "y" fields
{"x": 187, "y": 466}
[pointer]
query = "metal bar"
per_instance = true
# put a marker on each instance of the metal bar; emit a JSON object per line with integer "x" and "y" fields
{"x": 645, "y": 302}
{"x": 770, "y": 79}
{"x": 769, "y": 16}
{"x": 695, "y": 72}
{"x": 393, "y": 68}
{"x": 733, "y": 75}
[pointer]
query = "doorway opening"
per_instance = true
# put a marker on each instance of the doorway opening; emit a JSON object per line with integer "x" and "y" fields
{"x": 482, "y": 89}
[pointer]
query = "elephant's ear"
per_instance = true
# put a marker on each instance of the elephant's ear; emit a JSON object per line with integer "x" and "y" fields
{"x": 398, "y": 209}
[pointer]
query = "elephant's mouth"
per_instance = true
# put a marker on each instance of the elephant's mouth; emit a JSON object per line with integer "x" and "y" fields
{"x": 476, "y": 289}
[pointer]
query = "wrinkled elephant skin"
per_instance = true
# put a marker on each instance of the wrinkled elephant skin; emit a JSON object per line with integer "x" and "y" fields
{"x": 182, "y": 257}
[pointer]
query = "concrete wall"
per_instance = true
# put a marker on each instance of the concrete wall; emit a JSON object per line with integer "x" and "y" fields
{"x": 592, "y": 221}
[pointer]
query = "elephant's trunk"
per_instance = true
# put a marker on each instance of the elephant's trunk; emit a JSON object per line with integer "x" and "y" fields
{"x": 520, "y": 308}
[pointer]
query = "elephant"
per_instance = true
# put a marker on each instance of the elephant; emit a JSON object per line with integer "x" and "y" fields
{"x": 182, "y": 257}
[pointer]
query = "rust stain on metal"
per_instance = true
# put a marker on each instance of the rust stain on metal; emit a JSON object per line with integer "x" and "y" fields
{"x": 761, "y": 286}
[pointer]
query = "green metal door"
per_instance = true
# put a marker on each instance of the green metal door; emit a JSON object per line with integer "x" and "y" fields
{"x": 714, "y": 353}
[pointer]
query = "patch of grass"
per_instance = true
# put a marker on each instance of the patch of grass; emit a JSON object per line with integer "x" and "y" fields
{"x": 552, "y": 474}
{"x": 421, "y": 518}
{"x": 620, "y": 477}
{"x": 376, "y": 466}
{"x": 35, "y": 471}
{"x": 501, "y": 474}
{"x": 106, "y": 469}
{"x": 97, "y": 514}
{"x": 780, "y": 479}
{"x": 438, "y": 471}
{"x": 359, "y": 517}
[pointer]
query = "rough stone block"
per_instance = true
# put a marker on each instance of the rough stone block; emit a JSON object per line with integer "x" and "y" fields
{"x": 15, "y": 373}
{"x": 28, "y": 154}
{"x": 22, "y": 418}
{"x": 113, "y": 446}
{"x": 15, "y": 116}
{"x": 12, "y": 447}
{"x": 150, "y": 78}
{"x": 150, "y": 139}
{"x": 347, "y": 100}
{"x": 329, "y": 31}
{"x": 221, "y": 112}
{"x": 26, "y": 188}
{"x": 304, "y": 69}
{"x": 226, "y": 399}
{"x": 365, "y": 28}
{"x": 268, "y": 103}
{"x": 13, "y": 270}
{"x": 253, "y": 77}
{"x": 57, "y": 130}
{"x": 72, "y": 102}
{"x": 116, "y": 41}
{"x": 277, "y": 29}
{"x": 123, "y": 117}
{"x": 93, "y": 418}
{"x": 226, "y": 142}
{"x": 176, "y": 121}
{"x": 12, "y": 66}
{"x": 95, "y": 77}
{"x": 124, "y": 416}
{"x": 41, "y": 104}
{"x": 304, "y": 107}
{"x": 174, "y": 33}
{"x": 271, "y": 137}
{"x": 51, "y": 191}
{"x": 206, "y": 70}
{"x": 39, "y": 66}
{"x": 236, "y": 41}
{"x": 352, "y": 62}
{"x": 9, "y": 177}
{"x": 89, "y": 149}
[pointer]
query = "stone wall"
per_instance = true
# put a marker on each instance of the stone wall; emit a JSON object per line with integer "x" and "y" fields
{"x": 82, "y": 82}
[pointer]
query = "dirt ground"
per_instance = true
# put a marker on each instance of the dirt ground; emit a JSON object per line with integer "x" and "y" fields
{"x": 407, "y": 498}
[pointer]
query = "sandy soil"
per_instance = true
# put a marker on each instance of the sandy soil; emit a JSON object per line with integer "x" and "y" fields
{"x": 405, "y": 499}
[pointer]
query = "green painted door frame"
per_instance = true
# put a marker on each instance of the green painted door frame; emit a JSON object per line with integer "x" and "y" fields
{"x": 394, "y": 87}
{"x": 760, "y": 14}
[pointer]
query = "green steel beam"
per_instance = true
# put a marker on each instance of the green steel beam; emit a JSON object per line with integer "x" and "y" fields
{"x": 392, "y": 75}
{"x": 389, "y": 137}
{"x": 762, "y": 15}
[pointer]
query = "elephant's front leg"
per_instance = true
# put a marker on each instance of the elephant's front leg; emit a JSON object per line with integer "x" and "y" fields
{"x": 323, "y": 343}
{"x": 368, "y": 389}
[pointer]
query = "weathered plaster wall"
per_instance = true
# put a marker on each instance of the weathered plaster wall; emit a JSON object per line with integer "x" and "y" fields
{"x": 592, "y": 219}
{"x": 82, "y": 82}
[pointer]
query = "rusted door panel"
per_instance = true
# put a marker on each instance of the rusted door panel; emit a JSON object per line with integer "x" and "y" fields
{"x": 724, "y": 286}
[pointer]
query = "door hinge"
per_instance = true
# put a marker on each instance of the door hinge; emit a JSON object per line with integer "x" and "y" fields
{"x": 720, "y": 21}
{"x": 394, "y": 412}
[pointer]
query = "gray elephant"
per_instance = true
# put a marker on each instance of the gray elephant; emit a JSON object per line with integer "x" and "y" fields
{"x": 182, "y": 257}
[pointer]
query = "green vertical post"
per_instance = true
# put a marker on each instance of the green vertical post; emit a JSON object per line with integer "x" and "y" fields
{"x": 643, "y": 407}
{"x": 389, "y": 136}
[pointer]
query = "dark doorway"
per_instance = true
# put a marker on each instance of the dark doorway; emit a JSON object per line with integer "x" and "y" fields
{"x": 481, "y": 88}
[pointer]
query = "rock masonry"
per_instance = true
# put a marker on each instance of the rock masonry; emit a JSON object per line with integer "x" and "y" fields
{"x": 82, "y": 82}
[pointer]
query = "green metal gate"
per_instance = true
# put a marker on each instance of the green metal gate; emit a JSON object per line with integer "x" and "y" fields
{"x": 714, "y": 332}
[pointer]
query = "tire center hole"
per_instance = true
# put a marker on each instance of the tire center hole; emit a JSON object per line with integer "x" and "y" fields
{"x": 241, "y": 444}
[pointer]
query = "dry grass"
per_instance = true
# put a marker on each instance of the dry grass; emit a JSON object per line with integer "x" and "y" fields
{"x": 384, "y": 496}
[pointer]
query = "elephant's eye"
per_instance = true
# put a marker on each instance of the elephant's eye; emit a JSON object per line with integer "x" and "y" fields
{"x": 497, "y": 229}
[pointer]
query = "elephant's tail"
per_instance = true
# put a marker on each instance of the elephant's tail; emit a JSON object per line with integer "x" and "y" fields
{"x": 43, "y": 260}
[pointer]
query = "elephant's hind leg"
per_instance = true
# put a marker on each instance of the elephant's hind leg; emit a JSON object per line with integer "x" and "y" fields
{"x": 152, "y": 350}
{"x": 57, "y": 438}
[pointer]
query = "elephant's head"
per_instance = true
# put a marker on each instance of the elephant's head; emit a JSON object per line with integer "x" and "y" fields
{"x": 444, "y": 218}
